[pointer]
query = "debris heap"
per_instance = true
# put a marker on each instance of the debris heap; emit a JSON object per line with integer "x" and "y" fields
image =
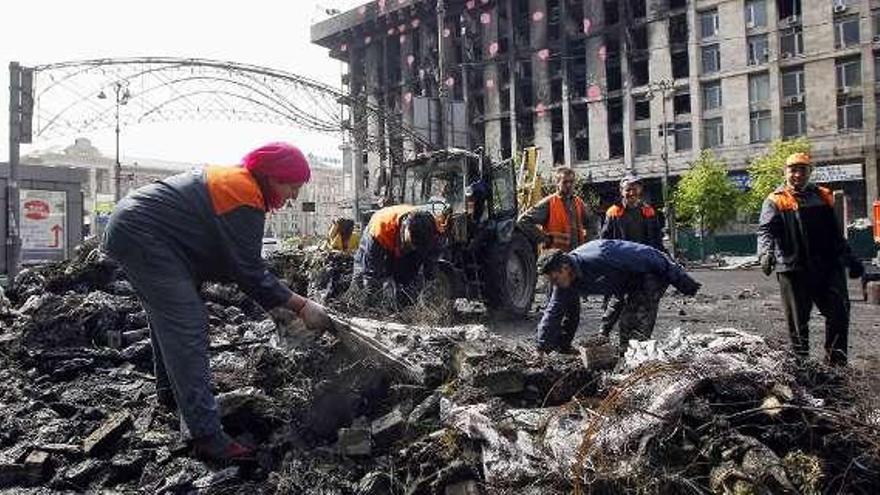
{"x": 381, "y": 407}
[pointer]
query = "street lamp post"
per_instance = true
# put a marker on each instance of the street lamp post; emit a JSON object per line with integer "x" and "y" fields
{"x": 120, "y": 90}
{"x": 663, "y": 88}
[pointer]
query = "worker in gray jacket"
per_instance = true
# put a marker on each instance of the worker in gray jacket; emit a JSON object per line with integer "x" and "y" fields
{"x": 197, "y": 226}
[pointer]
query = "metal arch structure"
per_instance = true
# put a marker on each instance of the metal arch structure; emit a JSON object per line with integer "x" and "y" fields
{"x": 182, "y": 89}
{"x": 60, "y": 99}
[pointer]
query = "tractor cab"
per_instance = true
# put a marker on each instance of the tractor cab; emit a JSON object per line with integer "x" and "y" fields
{"x": 484, "y": 254}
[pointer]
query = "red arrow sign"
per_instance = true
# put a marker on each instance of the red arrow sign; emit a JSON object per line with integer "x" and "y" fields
{"x": 56, "y": 229}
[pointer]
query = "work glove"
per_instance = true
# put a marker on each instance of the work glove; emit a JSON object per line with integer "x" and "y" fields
{"x": 315, "y": 317}
{"x": 768, "y": 263}
{"x": 687, "y": 285}
{"x": 856, "y": 268}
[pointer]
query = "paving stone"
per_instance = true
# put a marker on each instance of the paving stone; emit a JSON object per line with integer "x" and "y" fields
{"x": 355, "y": 442}
{"x": 107, "y": 434}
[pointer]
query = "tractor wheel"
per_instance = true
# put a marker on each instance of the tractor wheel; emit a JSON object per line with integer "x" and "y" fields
{"x": 510, "y": 285}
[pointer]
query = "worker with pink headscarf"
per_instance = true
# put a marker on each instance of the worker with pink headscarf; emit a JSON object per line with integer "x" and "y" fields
{"x": 198, "y": 226}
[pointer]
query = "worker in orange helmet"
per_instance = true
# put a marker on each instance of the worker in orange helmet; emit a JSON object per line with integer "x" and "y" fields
{"x": 799, "y": 236}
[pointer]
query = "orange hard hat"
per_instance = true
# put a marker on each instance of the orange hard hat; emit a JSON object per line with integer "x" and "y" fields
{"x": 798, "y": 159}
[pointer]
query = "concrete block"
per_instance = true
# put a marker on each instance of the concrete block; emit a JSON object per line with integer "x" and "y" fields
{"x": 428, "y": 407}
{"x": 354, "y": 442}
{"x": 389, "y": 428}
{"x": 107, "y": 434}
{"x": 501, "y": 381}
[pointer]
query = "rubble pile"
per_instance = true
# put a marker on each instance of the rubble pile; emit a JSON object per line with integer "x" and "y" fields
{"x": 388, "y": 408}
{"x": 706, "y": 413}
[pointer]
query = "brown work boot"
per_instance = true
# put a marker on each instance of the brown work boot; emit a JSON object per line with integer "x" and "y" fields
{"x": 220, "y": 447}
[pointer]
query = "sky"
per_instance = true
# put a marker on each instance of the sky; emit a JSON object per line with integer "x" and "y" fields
{"x": 271, "y": 33}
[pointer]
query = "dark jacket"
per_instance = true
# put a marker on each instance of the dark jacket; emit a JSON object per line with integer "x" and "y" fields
{"x": 222, "y": 244}
{"x": 637, "y": 224}
{"x": 614, "y": 267}
{"x": 801, "y": 230}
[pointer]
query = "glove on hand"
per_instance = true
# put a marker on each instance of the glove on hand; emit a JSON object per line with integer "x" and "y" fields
{"x": 687, "y": 285}
{"x": 856, "y": 268}
{"x": 768, "y": 263}
{"x": 315, "y": 317}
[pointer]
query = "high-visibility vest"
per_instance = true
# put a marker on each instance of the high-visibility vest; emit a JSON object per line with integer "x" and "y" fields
{"x": 232, "y": 187}
{"x": 558, "y": 225}
{"x": 385, "y": 226}
{"x": 616, "y": 211}
{"x": 785, "y": 200}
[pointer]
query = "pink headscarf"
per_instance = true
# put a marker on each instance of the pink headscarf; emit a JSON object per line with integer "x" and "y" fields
{"x": 280, "y": 161}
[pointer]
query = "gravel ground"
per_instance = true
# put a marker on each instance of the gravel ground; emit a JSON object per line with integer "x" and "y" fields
{"x": 744, "y": 299}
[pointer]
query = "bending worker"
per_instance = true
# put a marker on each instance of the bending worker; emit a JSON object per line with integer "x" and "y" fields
{"x": 342, "y": 236}
{"x": 561, "y": 216}
{"x": 204, "y": 225}
{"x": 397, "y": 252}
{"x": 637, "y": 274}
{"x": 799, "y": 236}
{"x": 629, "y": 220}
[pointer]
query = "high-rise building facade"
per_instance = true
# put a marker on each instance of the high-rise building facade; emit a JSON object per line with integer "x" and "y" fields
{"x": 609, "y": 87}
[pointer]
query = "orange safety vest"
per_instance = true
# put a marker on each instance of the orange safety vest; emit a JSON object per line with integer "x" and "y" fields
{"x": 232, "y": 187}
{"x": 558, "y": 225}
{"x": 785, "y": 200}
{"x": 616, "y": 211}
{"x": 385, "y": 226}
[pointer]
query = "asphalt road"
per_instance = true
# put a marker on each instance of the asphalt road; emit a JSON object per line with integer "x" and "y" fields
{"x": 742, "y": 299}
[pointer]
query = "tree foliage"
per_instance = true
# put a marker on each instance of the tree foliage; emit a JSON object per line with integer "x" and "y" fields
{"x": 706, "y": 198}
{"x": 766, "y": 171}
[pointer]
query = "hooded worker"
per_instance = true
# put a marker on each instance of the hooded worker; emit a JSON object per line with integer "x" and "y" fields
{"x": 632, "y": 220}
{"x": 635, "y": 273}
{"x": 800, "y": 238}
{"x": 397, "y": 251}
{"x": 204, "y": 225}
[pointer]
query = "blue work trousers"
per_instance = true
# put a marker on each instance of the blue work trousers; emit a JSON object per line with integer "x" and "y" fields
{"x": 178, "y": 319}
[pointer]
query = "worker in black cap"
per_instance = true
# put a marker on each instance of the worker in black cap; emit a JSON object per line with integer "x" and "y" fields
{"x": 630, "y": 220}
{"x": 637, "y": 274}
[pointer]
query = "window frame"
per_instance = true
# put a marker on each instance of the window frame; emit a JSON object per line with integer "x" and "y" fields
{"x": 756, "y": 118}
{"x": 753, "y": 88}
{"x": 848, "y": 105}
{"x": 639, "y": 136}
{"x": 840, "y": 31}
{"x": 801, "y": 112}
{"x": 800, "y": 81}
{"x": 750, "y": 11}
{"x": 840, "y": 72}
{"x": 710, "y": 89}
{"x": 716, "y": 126}
{"x": 757, "y": 55}
{"x": 716, "y": 23}
{"x": 714, "y": 48}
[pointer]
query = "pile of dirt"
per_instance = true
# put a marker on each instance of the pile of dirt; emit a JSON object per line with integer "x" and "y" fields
{"x": 722, "y": 413}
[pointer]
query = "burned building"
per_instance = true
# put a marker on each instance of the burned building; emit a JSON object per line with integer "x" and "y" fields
{"x": 609, "y": 87}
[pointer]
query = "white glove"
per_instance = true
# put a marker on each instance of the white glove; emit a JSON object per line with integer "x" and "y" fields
{"x": 315, "y": 317}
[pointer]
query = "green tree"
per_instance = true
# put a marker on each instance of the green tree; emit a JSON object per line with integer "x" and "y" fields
{"x": 766, "y": 171}
{"x": 706, "y": 199}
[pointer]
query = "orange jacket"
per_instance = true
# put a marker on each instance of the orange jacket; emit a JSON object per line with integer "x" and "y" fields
{"x": 616, "y": 211}
{"x": 558, "y": 225}
{"x": 231, "y": 187}
{"x": 384, "y": 227}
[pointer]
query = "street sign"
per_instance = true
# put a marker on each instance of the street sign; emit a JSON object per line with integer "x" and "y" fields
{"x": 43, "y": 225}
{"x": 837, "y": 173}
